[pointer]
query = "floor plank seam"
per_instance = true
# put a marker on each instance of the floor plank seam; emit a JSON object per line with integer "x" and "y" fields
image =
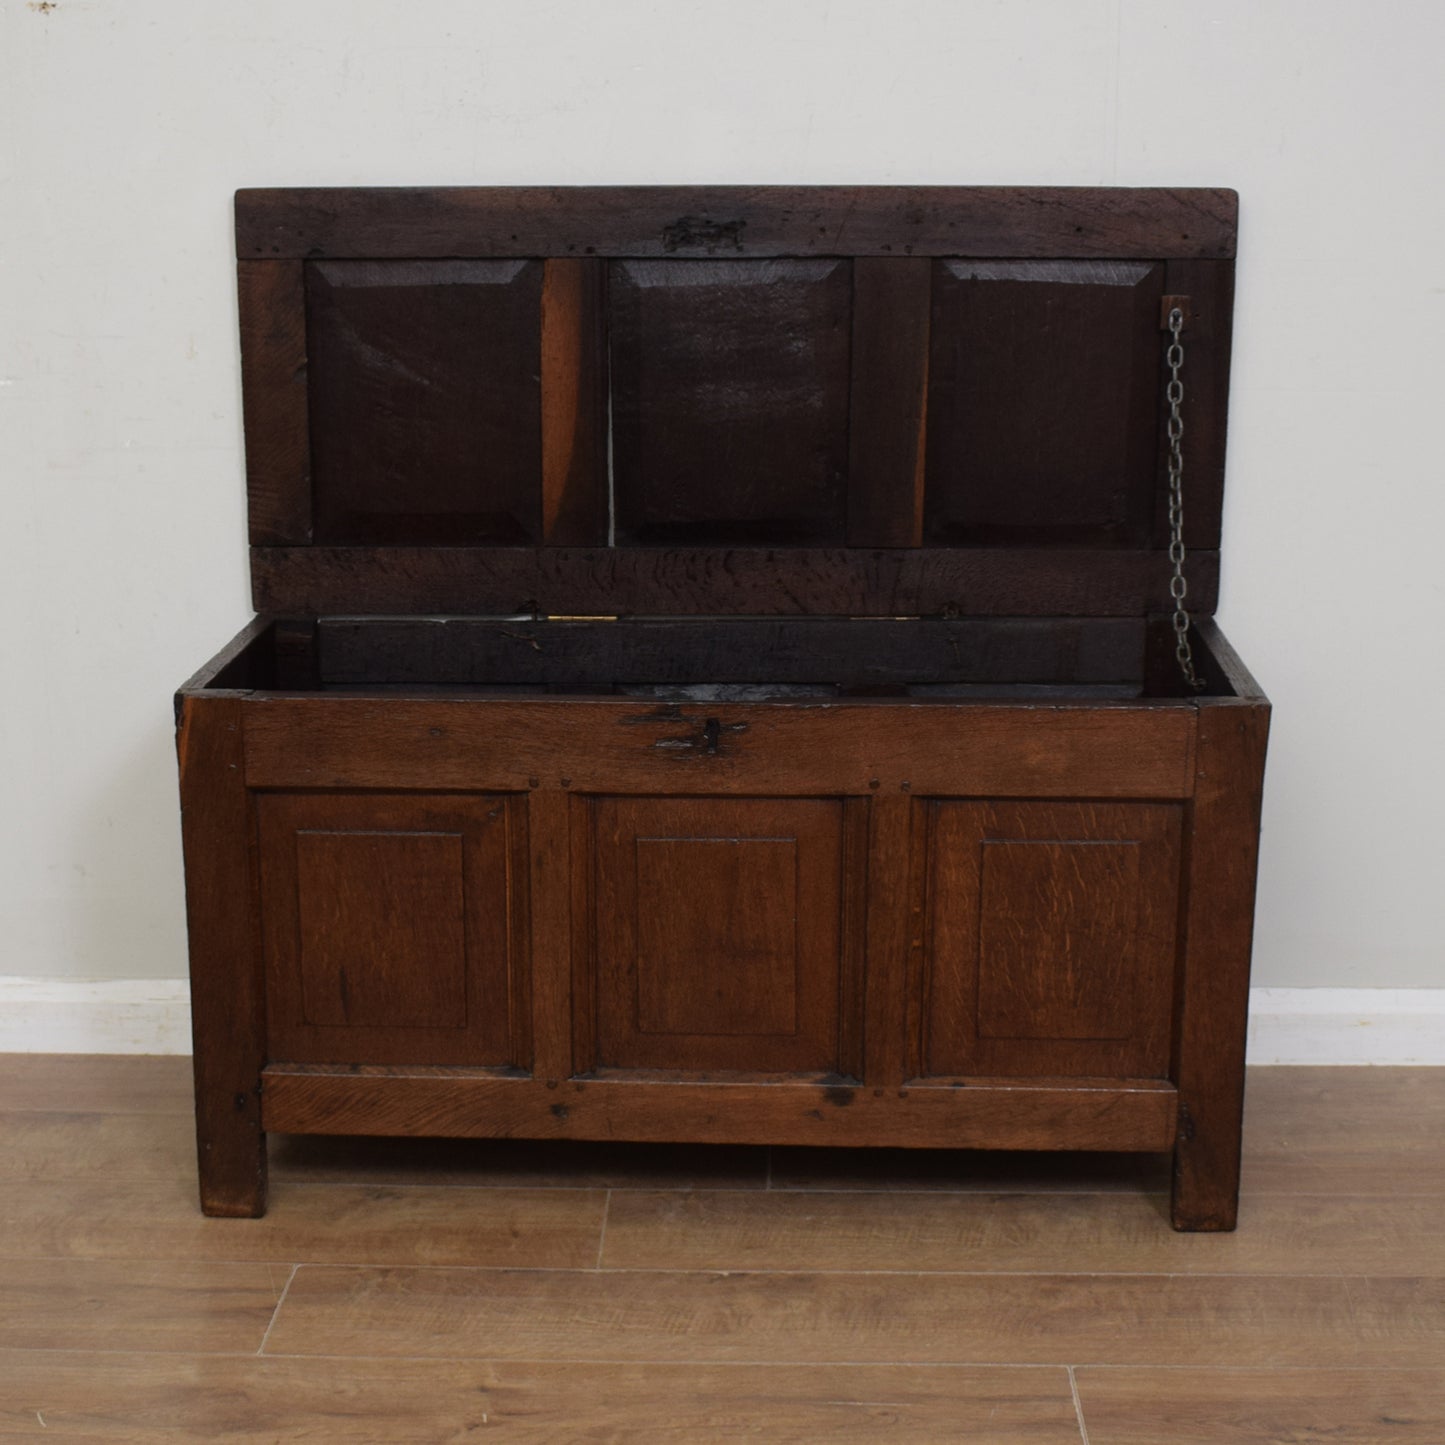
{"x": 503, "y": 1267}
{"x": 1078, "y": 1407}
{"x": 276, "y": 1313}
{"x": 734, "y": 1271}
{"x": 602, "y": 1236}
{"x": 1434, "y": 1371}
{"x": 680, "y": 1362}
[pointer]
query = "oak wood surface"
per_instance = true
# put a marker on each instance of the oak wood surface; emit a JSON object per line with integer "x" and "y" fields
{"x": 164, "y": 1304}
{"x": 716, "y": 930}
{"x": 144, "y": 1398}
{"x": 729, "y": 400}
{"x": 97, "y": 1083}
{"x": 425, "y": 401}
{"x": 757, "y": 581}
{"x": 852, "y": 651}
{"x": 244, "y": 663}
{"x": 1218, "y": 922}
{"x": 887, "y": 420}
{"x": 784, "y": 1109}
{"x": 551, "y": 1228}
{"x": 1323, "y": 1317}
{"x": 56, "y": 1144}
{"x": 1022, "y": 1232}
{"x": 272, "y": 302}
{"x": 635, "y": 746}
{"x": 769, "y": 397}
{"x": 228, "y": 1006}
{"x": 574, "y": 385}
{"x": 737, "y": 220}
{"x": 549, "y": 911}
{"x": 1051, "y": 938}
{"x": 391, "y": 930}
{"x": 802, "y": 1316}
{"x": 1043, "y": 402}
{"x": 1263, "y": 1407}
{"x": 893, "y": 937}
{"x": 1358, "y": 1131}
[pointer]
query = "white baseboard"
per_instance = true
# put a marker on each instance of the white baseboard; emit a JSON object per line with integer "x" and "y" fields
{"x": 83, "y": 1016}
{"x": 1286, "y": 1025}
{"x": 1347, "y": 1026}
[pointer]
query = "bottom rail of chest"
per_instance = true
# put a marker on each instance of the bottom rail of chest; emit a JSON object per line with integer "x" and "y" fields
{"x": 1034, "y": 1114}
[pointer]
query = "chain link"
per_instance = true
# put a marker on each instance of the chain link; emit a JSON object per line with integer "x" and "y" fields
{"x": 1178, "y": 586}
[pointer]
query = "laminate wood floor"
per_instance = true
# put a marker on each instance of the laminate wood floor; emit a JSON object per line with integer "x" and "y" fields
{"x": 403, "y": 1291}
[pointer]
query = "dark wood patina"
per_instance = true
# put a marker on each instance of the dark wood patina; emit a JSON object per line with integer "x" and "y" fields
{"x": 713, "y": 679}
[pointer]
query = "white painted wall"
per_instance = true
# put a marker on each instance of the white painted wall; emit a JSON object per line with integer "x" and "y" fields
{"x": 122, "y": 566}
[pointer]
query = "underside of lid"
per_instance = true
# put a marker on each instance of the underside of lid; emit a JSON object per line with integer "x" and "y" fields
{"x": 688, "y": 401}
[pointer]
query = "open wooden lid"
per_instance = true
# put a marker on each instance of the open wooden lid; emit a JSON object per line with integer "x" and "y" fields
{"x": 856, "y": 401}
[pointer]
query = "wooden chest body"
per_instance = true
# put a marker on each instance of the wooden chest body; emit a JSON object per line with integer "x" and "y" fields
{"x": 713, "y": 680}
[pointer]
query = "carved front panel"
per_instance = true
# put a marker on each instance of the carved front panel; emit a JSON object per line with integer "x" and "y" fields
{"x": 390, "y": 929}
{"x": 1051, "y": 938}
{"x": 716, "y": 933}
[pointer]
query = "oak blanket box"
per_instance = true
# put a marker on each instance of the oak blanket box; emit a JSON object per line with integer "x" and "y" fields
{"x": 718, "y": 677}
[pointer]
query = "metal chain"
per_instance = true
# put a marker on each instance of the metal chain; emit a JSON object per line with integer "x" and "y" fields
{"x": 1178, "y": 586}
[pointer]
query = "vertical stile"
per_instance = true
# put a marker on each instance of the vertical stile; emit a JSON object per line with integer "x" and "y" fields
{"x": 888, "y": 405}
{"x": 574, "y": 403}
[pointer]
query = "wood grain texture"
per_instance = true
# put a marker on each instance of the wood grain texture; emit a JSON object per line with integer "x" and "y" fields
{"x": 1224, "y": 669}
{"x": 246, "y": 662}
{"x": 1025, "y": 1232}
{"x": 865, "y": 1318}
{"x": 227, "y": 987}
{"x": 892, "y": 914}
{"x": 887, "y": 413}
{"x": 1219, "y": 884}
{"x": 425, "y": 400}
{"x": 737, "y": 220}
{"x": 859, "y": 652}
{"x": 144, "y": 1398}
{"x": 272, "y": 301}
{"x": 1052, "y": 938}
{"x": 150, "y": 1305}
{"x": 575, "y": 402}
{"x": 1043, "y": 405}
{"x": 559, "y": 1228}
{"x": 718, "y": 937}
{"x": 97, "y": 1083}
{"x": 1323, "y": 1316}
{"x": 549, "y": 905}
{"x": 53, "y": 1145}
{"x": 729, "y": 400}
{"x": 391, "y": 929}
{"x": 690, "y": 581}
{"x": 654, "y": 1106}
{"x": 1357, "y": 1131}
{"x": 1263, "y": 1407}
{"x": 757, "y": 749}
